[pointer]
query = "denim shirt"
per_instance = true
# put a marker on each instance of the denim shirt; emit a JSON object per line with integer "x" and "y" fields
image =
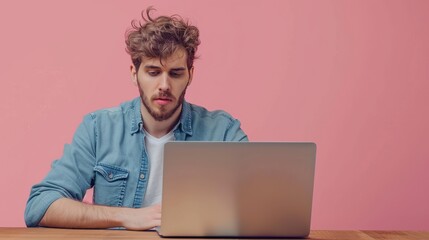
{"x": 108, "y": 153}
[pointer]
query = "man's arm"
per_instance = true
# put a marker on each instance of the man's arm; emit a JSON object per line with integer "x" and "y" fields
{"x": 56, "y": 201}
{"x": 235, "y": 133}
{"x": 69, "y": 177}
{"x": 68, "y": 213}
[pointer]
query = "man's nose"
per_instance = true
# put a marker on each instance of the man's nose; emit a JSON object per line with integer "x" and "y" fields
{"x": 164, "y": 84}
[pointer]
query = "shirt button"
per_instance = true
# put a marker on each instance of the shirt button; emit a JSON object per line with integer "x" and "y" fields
{"x": 110, "y": 175}
{"x": 142, "y": 176}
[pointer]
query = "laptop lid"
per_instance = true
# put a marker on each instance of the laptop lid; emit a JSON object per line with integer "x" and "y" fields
{"x": 237, "y": 189}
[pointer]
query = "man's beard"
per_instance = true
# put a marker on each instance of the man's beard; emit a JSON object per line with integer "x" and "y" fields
{"x": 163, "y": 114}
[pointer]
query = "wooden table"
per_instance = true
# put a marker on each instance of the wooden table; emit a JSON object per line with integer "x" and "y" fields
{"x": 57, "y": 233}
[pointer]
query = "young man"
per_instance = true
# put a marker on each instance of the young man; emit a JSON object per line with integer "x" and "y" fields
{"x": 119, "y": 151}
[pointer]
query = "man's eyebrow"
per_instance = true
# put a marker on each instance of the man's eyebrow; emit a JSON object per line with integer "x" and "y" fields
{"x": 151, "y": 67}
{"x": 178, "y": 69}
{"x": 157, "y": 67}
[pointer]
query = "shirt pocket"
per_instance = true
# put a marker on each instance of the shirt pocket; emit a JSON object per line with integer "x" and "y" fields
{"x": 109, "y": 185}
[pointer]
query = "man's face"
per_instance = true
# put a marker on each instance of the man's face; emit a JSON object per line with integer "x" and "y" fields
{"x": 163, "y": 86}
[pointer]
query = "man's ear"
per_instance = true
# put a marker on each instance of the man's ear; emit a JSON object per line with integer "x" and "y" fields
{"x": 133, "y": 72}
{"x": 191, "y": 75}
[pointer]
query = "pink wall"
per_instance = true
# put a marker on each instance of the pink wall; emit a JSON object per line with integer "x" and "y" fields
{"x": 352, "y": 76}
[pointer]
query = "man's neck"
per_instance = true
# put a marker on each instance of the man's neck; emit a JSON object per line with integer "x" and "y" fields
{"x": 159, "y": 128}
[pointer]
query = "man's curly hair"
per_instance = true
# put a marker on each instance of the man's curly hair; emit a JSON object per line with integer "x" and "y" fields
{"x": 160, "y": 37}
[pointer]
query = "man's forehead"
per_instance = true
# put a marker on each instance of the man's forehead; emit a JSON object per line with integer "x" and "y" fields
{"x": 175, "y": 60}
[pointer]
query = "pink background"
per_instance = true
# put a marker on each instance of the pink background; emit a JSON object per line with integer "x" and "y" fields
{"x": 352, "y": 76}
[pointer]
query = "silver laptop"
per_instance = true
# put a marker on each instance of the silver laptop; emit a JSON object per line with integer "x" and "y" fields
{"x": 237, "y": 189}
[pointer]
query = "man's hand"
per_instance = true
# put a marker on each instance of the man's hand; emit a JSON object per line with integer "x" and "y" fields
{"x": 68, "y": 213}
{"x": 141, "y": 218}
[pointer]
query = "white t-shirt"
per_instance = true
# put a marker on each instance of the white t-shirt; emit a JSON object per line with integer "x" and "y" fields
{"x": 155, "y": 151}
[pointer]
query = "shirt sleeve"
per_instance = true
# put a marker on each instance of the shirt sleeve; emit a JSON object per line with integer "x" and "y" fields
{"x": 69, "y": 176}
{"x": 235, "y": 133}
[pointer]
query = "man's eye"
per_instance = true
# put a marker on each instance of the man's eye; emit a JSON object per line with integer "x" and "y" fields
{"x": 176, "y": 74}
{"x": 153, "y": 73}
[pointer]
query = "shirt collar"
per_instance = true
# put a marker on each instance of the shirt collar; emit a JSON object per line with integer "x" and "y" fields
{"x": 185, "y": 122}
{"x": 186, "y": 118}
{"x": 136, "y": 116}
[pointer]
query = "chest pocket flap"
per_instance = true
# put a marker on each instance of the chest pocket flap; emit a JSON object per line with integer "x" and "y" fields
{"x": 111, "y": 173}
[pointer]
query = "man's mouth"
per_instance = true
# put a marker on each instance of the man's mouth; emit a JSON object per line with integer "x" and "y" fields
{"x": 162, "y": 100}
